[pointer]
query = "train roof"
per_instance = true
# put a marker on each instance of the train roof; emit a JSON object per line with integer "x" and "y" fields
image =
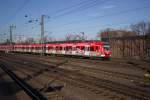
{"x": 60, "y": 43}
{"x": 73, "y": 41}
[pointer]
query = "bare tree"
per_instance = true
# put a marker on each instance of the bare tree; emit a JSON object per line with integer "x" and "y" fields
{"x": 141, "y": 28}
{"x": 148, "y": 29}
{"x": 51, "y": 39}
{"x": 80, "y": 36}
{"x": 104, "y": 34}
{"x": 106, "y": 31}
{"x": 69, "y": 37}
{"x": 29, "y": 40}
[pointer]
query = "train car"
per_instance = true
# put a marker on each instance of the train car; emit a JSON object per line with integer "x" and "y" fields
{"x": 89, "y": 49}
{"x": 6, "y": 48}
{"x": 86, "y": 49}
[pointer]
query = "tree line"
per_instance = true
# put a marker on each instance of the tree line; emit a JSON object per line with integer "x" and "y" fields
{"x": 137, "y": 29}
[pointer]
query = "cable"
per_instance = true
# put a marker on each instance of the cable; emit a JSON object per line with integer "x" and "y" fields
{"x": 70, "y": 7}
{"x": 20, "y": 8}
{"x": 76, "y": 9}
{"x": 107, "y": 15}
{"x": 95, "y": 26}
{"x": 116, "y": 13}
{"x": 17, "y": 11}
{"x": 80, "y": 8}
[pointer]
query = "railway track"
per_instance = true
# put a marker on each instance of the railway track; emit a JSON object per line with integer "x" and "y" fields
{"x": 81, "y": 68}
{"x": 27, "y": 88}
{"x": 100, "y": 72}
{"x": 144, "y": 65}
{"x": 94, "y": 83}
{"x": 29, "y": 74}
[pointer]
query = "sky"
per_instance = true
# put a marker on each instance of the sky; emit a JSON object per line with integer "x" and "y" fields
{"x": 70, "y": 16}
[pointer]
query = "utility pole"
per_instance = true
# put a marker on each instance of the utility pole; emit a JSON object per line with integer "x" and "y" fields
{"x": 11, "y": 29}
{"x": 11, "y": 38}
{"x": 42, "y": 41}
{"x": 42, "y": 35}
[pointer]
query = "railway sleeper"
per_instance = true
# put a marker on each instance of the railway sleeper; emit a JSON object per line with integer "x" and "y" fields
{"x": 35, "y": 95}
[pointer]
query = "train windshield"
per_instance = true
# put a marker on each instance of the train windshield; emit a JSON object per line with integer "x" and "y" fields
{"x": 107, "y": 47}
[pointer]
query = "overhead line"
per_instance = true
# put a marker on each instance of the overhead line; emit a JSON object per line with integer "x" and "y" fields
{"x": 20, "y": 8}
{"x": 69, "y": 7}
{"x": 75, "y": 10}
{"x": 107, "y": 15}
{"x": 95, "y": 26}
{"x": 17, "y": 11}
{"x": 79, "y": 9}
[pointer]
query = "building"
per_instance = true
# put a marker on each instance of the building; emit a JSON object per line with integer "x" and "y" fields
{"x": 105, "y": 36}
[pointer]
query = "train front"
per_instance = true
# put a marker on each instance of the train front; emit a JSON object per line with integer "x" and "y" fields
{"x": 107, "y": 51}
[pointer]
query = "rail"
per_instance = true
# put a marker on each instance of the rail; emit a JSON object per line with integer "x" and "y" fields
{"x": 35, "y": 95}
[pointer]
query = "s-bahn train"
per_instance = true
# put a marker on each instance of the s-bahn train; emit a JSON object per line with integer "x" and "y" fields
{"x": 86, "y": 49}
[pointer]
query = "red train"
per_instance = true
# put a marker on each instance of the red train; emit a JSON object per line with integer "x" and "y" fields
{"x": 88, "y": 49}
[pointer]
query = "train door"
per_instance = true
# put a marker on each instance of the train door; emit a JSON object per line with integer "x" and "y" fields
{"x": 54, "y": 50}
{"x": 63, "y": 49}
{"x": 80, "y": 50}
{"x": 94, "y": 50}
{"x": 46, "y": 48}
{"x": 30, "y": 48}
{"x": 19, "y": 48}
{"x": 77, "y": 50}
{"x": 27, "y": 48}
{"x": 97, "y": 52}
{"x": 57, "y": 49}
{"x": 69, "y": 50}
{"x": 33, "y": 47}
{"x": 60, "y": 49}
{"x": 87, "y": 50}
{"x": 101, "y": 51}
{"x": 73, "y": 50}
{"x": 50, "y": 49}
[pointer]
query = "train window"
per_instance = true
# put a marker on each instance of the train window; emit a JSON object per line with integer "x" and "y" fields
{"x": 75, "y": 48}
{"x": 91, "y": 48}
{"x": 87, "y": 48}
{"x": 68, "y": 48}
{"x": 78, "y": 47}
{"x": 97, "y": 47}
{"x": 107, "y": 47}
{"x": 64, "y": 48}
{"x": 37, "y": 48}
{"x": 49, "y": 48}
{"x": 82, "y": 48}
{"x": 54, "y": 48}
{"x": 60, "y": 48}
{"x": 57, "y": 48}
